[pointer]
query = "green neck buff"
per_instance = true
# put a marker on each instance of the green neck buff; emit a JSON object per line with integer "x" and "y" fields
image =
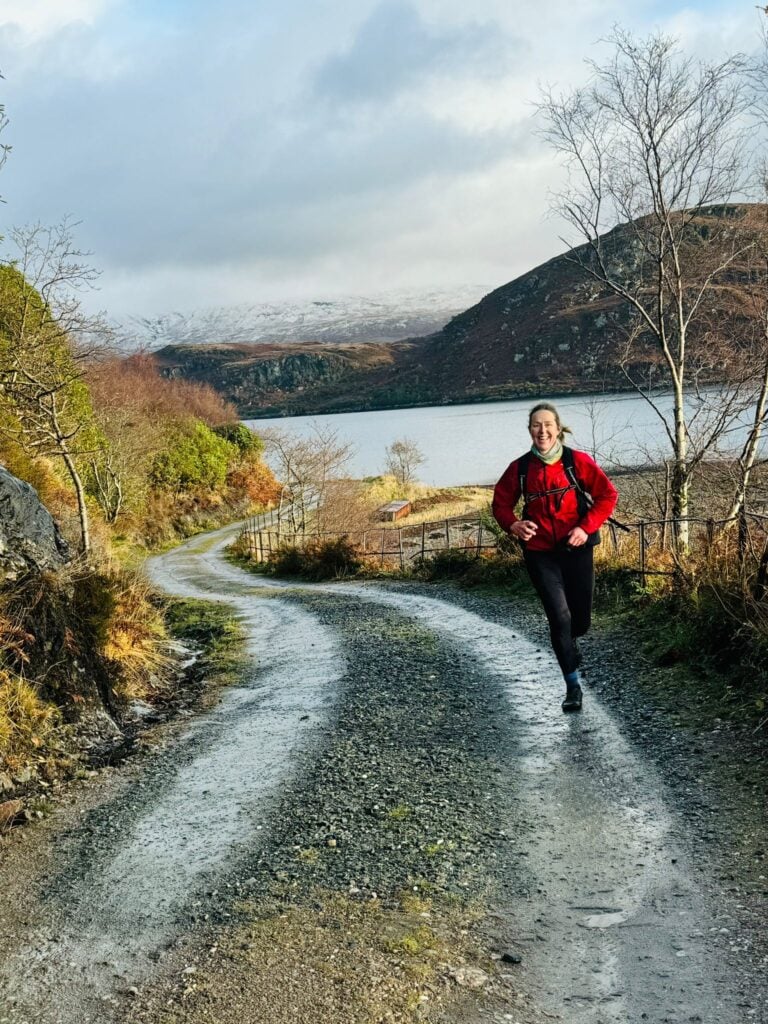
{"x": 553, "y": 455}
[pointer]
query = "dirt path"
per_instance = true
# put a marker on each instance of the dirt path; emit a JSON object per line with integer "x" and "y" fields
{"x": 384, "y": 735}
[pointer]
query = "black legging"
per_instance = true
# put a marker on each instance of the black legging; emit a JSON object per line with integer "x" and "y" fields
{"x": 565, "y": 581}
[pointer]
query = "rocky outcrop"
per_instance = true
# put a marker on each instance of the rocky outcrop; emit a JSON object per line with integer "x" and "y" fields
{"x": 241, "y": 379}
{"x": 233, "y": 368}
{"x": 29, "y": 538}
{"x": 257, "y": 376}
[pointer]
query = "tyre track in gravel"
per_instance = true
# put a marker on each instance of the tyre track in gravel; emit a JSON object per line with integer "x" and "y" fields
{"x": 593, "y": 887}
{"x": 615, "y": 926}
{"x": 137, "y": 872}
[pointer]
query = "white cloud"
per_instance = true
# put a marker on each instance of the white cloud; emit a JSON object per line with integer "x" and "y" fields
{"x": 241, "y": 152}
{"x": 40, "y": 18}
{"x": 395, "y": 51}
{"x": 716, "y": 33}
{"x": 484, "y": 227}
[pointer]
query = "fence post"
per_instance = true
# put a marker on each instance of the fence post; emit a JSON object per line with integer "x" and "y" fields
{"x": 260, "y": 537}
{"x": 423, "y": 537}
{"x": 447, "y": 535}
{"x": 383, "y": 535}
{"x": 761, "y": 583}
{"x": 667, "y": 503}
{"x": 743, "y": 534}
{"x": 400, "y": 544}
{"x": 365, "y": 538}
{"x": 642, "y": 552}
{"x": 479, "y": 538}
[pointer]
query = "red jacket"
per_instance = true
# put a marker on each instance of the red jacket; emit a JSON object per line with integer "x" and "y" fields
{"x": 554, "y": 514}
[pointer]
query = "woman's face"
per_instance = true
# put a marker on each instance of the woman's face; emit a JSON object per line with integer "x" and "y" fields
{"x": 543, "y": 429}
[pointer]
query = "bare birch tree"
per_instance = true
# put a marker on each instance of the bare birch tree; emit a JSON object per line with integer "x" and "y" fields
{"x": 403, "y": 458}
{"x": 754, "y": 289}
{"x": 306, "y": 468}
{"x": 653, "y": 143}
{"x": 44, "y": 338}
{"x": 750, "y": 330}
{"x": 4, "y": 148}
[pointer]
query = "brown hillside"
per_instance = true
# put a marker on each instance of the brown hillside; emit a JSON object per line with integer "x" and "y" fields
{"x": 553, "y": 330}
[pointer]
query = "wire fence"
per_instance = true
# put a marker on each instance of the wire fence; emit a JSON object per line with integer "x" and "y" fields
{"x": 648, "y": 547}
{"x": 283, "y": 516}
{"x": 400, "y": 544}
{"x": 740, "y": 542}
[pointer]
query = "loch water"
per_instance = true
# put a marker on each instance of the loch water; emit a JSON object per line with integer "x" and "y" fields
{"x": 474, "y": 443}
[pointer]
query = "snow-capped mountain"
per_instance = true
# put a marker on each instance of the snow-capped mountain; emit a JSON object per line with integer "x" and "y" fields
{"x": 390, "y": 316}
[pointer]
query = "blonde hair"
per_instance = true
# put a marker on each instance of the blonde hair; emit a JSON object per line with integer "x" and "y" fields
{"x": 548, "y": 407}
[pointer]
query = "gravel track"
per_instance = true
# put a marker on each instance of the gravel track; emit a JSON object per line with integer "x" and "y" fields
{"x": 389, "y": 739}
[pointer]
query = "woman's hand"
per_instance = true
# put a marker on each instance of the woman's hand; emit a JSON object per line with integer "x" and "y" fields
{"x": 523, "y": 529}
{"x": 577, "y": 537}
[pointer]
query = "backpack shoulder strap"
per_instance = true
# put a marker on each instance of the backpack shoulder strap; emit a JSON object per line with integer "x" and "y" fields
{"x": 522, "y": 472}
{"x": 569, "y": 465}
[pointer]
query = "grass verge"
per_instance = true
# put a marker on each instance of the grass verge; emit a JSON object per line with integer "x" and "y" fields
{"x": 338, "y": 958}
{"x": 211, "y": 630}
{"x": 26, "y": 722}
{"x": 700, "y": 665}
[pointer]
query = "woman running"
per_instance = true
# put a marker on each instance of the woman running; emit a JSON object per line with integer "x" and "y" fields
{"x": 566, "y": 499}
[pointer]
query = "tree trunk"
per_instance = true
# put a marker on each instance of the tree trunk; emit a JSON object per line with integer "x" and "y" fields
{"x": 109, "y": 488}
{"x": 749, "y": 453}
{"x": 680, "y": 476}
{"x": 82, "y": 508}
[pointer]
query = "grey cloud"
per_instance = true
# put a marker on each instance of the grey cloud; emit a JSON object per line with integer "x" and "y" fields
{"x": 307, "y": 196}
{"x": 194, "y": 157}
{"x": 395, "y": 49}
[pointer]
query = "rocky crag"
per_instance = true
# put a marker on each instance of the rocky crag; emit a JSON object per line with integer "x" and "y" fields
{"x": 52, "y": 613}
{"x": 265, "y": 380}
{"x": 29, "y": 538}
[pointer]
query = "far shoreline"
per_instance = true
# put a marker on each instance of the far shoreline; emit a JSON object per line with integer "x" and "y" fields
{"x": 473, "y": 442}
{"x": 275, "y": 413}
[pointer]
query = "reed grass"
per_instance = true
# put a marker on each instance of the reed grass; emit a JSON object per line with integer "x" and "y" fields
{"x": 26, "y": 721}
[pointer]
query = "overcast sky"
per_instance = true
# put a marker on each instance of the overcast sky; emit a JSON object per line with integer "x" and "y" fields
{"x": 258, "y": 150}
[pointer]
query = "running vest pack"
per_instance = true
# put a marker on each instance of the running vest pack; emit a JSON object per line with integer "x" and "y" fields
{"x": 583, "y": 498}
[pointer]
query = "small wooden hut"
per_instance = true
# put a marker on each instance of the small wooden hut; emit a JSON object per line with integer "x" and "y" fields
{"x": 394, "y": 510}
